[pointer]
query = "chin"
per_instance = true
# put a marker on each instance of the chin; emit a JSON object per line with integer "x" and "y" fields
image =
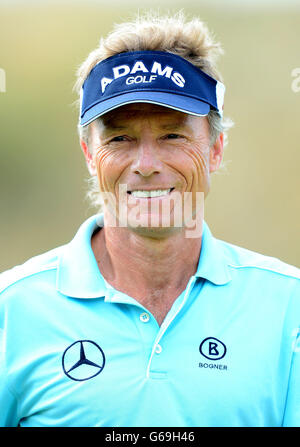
{"x": 155, "y": 226}
{"x": 154, "y": 232}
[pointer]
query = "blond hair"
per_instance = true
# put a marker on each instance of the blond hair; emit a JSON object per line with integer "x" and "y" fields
{"x": 173, "y": 34}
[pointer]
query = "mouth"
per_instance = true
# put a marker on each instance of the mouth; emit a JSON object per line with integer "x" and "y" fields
{"x": 148, "y": 194}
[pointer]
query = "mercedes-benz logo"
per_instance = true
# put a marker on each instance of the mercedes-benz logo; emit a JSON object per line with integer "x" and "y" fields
{"x": 83, "y": 360}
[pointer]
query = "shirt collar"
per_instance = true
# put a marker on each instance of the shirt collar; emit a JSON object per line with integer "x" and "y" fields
{"x": 212, "y": 264}
{"x": 78, "y": 275}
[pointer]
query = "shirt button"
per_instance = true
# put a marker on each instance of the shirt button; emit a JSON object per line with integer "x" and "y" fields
{"x": 144, "y": 317}
{"x": 158, "y": 349}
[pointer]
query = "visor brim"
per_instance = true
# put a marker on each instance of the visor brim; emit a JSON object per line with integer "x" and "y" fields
{"x": 173, "y": 101}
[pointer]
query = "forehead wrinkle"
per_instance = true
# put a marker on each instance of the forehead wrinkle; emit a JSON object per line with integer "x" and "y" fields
{"x": 140, "y": 109}
{"x": 166, "y": 121}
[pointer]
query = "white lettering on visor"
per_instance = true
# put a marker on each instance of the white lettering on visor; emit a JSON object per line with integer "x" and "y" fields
{"x": 139, "y": 66}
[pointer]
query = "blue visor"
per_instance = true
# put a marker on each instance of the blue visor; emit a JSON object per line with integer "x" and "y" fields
{"x": 154, "y": 77}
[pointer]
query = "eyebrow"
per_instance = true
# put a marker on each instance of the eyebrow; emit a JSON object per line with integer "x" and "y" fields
{"x": 172, "y": 126}
{"x": 110, "y": 127}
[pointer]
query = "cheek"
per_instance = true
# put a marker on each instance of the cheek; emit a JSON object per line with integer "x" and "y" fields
{"x": 196, "y": 166}
{"x": 110, "y": 165}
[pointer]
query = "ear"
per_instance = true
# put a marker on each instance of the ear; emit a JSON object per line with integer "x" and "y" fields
{"x": 216, "y": 153}
{"x": 88, "y": 158}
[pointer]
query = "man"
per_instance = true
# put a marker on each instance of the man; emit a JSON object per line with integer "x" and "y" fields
{"x": 144, "y": 318}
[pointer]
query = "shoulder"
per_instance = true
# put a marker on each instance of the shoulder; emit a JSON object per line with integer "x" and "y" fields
{"x": 242, "y": 259}
{"x": 30, "y": 270}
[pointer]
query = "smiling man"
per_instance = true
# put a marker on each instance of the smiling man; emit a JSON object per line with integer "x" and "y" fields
{"x": 160, "y": 156}
{"x": 144, "y": 318}
{"x": 136, "y": 146}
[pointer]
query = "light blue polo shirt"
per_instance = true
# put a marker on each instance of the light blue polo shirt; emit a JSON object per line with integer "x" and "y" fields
{"x": 77, "y": 352}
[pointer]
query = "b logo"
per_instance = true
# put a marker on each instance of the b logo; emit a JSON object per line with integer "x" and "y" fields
{"x": 212, "y": 348}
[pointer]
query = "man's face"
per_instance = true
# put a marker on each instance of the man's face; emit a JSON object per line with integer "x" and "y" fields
{"x": 152, "y": 148}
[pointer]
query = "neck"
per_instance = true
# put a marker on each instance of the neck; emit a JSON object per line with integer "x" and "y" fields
{"x": 141, "y": 266}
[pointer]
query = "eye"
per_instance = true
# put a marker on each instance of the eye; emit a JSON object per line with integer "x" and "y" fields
{"x": 118, "y": 139}
{"x": 172, "y": 136}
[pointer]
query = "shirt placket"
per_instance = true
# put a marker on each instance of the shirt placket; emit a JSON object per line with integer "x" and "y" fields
{"x": 152, "y": 335}
{"x": 156, "y": 367}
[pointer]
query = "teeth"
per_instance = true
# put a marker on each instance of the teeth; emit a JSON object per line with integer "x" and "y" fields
{"x": 156, "y": 193}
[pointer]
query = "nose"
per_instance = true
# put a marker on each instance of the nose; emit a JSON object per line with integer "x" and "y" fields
{"x": 147, "y": 161}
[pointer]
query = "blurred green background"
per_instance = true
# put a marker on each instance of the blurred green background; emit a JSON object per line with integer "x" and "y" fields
{"x": 254, "y": 203}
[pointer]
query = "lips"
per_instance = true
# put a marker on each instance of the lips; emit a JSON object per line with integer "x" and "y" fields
{"x": 143, "y": 193}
